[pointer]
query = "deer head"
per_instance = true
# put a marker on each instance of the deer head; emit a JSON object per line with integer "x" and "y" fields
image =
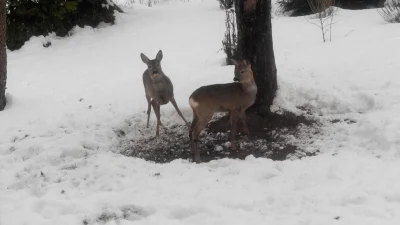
{"x": 153, "y": 66}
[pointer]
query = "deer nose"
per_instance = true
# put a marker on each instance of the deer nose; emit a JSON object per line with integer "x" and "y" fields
{"x": 236, "y": 79}
{"x": 155, "y": 72}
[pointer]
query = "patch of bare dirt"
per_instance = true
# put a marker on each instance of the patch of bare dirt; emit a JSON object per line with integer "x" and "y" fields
{"x": 278, "y": 137}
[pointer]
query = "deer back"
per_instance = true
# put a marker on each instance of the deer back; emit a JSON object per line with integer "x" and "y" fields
{"x": 231, "y": 96}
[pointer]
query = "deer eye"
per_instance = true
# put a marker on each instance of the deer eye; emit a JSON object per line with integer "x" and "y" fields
{"x": 242, "y": 71}
{"x": 149, "y": 67}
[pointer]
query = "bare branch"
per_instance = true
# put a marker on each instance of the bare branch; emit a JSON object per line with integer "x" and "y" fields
{"x": 324, "y": 11}
{"x": 314, "y": 23}
{"x": 391, "y": 11}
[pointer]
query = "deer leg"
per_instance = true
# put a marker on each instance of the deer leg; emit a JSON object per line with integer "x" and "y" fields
{"x": 178, "y": 111}
{"x": 159, "y": 116}
{"x": 242, "y": 116}
{"x": 195, "y": 120}
{"x": 234, "y": 118}
{"x": 193, "y": 143}
{"x": 148, "y": 109}
{"x": 156, "y": 107}
{"x": 159, "y": 112}
{"x": 198, "y": 124}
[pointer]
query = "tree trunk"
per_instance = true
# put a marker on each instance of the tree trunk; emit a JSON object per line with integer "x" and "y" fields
{"x": 3, "y": 54}
{"x": 255, "y": 44}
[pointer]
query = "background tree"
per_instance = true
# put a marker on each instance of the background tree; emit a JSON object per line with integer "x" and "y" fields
{"x": 255, "y": 44}
{"x": 3, "y": 54}
{"x": 27, "y": 18}
{"x": 229, "y": 43}
{"x": 324, "y": 11}
{"x": 225, "y": 4}
{"x": 302, "y": 7}
{"x": 391, "y": 11}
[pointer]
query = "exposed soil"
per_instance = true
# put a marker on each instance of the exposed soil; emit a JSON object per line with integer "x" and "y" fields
{"x": 279, "y": 137}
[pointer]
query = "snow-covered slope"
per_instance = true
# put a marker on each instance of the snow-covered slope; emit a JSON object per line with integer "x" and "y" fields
{"x": 58, "y": 164}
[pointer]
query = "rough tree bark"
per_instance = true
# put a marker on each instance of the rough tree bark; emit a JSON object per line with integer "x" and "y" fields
{"x": 255, "y": 44}
{"x": 3, "y": 54}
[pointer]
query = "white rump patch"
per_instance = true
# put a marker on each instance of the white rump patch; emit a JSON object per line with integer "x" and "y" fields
{"x": 193, "y": 103}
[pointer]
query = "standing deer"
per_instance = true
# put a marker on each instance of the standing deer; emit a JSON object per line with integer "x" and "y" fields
{"x": 158, "y": 87}
{"x": 233, "y": 98}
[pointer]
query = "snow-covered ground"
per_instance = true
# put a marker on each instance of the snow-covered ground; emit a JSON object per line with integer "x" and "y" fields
{"x": 59, "y": 164}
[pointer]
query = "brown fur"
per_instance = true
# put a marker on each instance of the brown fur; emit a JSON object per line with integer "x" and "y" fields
{"x": 234, "y": 98}
{"x": 158, "y": 88}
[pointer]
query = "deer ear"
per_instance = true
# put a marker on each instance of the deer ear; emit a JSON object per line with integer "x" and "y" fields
{"x": 159, "y": 55}
{"x": 246, "y": 63}
{"x": 144, "y": 58}
{"x": 233, "y": 62}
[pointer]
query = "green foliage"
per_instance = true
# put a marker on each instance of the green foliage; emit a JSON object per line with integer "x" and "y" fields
{"x": 27, "y": 18}
{"x": 71, "y": 5}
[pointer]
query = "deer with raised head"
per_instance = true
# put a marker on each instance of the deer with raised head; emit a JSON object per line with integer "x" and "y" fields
{"x": 159, "y": 89}
{"x": 233, "y": 98}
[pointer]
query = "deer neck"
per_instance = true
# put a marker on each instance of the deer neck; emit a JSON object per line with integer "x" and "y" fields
{"x": 249, "y": 86}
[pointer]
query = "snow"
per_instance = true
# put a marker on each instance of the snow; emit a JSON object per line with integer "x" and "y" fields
{"x": 59, "y": 163}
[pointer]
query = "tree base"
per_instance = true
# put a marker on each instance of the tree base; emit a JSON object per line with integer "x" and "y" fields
{"x": 3, "y": 102}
